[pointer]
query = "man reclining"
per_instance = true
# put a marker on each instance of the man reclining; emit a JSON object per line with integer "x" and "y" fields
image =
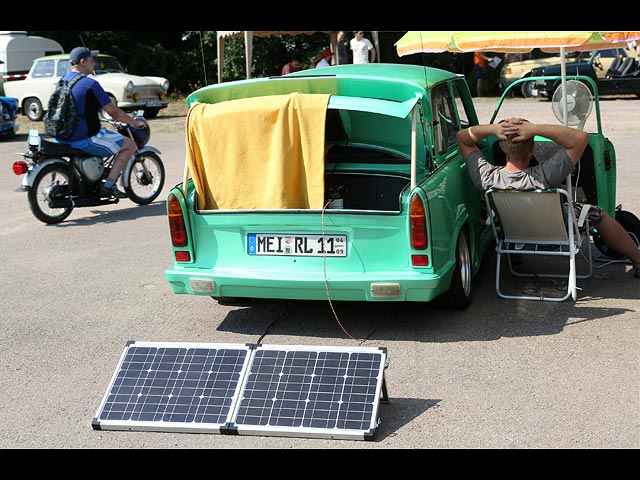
{"x": 516, "y": 135}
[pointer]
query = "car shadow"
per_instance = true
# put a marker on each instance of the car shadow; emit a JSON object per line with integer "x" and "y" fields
{"x": 106, "y": 215}
{"x": 488, "y": 318}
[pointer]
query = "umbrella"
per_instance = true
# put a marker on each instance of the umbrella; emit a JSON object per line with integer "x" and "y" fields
{"x": 515, "y": 42}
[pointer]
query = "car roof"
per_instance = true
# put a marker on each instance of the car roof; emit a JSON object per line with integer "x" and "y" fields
{"x": 64, "y": 56}
{"x": 395, "y": 82}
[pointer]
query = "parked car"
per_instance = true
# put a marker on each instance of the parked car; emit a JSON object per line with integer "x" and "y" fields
{"x": 129, "y": 92}
{"x": 8, "y": 123}
{"x": 397, "y": 219}
{"x": 616, "y": 71}
{"x": 523, "y": 69}
{"x": 513, "y": 71}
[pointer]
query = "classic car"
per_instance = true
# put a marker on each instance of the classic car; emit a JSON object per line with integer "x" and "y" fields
{"x": 616, "y": 71}
{"x": 345, "y": 183}
{"x": 8, "y": 123}
{"x": 129, "y": 92}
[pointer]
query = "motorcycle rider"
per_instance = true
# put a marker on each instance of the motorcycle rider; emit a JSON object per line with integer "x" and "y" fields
{"x": 89, "y": 136}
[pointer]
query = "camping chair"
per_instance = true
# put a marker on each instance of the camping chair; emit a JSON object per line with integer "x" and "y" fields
{"x": 538, "y": 222}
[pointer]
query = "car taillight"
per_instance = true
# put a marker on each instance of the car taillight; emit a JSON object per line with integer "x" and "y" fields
{"x": 176, "y": 222}
{"x": 20, "y": 167}
{"x": 417, "y": 223}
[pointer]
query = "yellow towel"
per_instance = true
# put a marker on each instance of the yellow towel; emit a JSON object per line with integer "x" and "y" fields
{"x": 258, "y": 153}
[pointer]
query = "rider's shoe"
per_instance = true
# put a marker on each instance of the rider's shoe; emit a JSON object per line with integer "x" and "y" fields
{"x": 111, "y": 192}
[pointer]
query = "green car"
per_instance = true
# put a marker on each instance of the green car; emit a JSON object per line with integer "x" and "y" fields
{"x": 344, "y": 183}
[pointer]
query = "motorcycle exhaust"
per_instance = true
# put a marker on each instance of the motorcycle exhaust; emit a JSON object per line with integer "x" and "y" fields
{"x": 88, "y": 202}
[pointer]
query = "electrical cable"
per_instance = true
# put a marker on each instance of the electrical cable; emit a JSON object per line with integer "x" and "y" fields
{"x": 326, "y": 282}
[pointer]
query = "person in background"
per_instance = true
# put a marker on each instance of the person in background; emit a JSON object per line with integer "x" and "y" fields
{"x": 325, "y": 61}
{"x": 89, "y": 136}
{"x": 362, "y": 48}
{"x": 343, "y": 56}
{"x": 516, "y": 135}
{"x": 480, "y": 61}
{"x": 291, "y": 66}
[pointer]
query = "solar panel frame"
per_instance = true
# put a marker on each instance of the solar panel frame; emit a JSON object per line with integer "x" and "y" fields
{"x": 250, "y": 389}
{"x": 128, "y": 399}
{"x": 310, "y": 407}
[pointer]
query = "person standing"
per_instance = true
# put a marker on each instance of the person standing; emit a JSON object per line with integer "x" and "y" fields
{"x": 343, "y": 56}
{"x": 89, "y": 136}
{"x": 325, "y": 61}
{"x": 362, "y": 48}
{"x": 292, "y": 66}
{"x": 480, "y": 61}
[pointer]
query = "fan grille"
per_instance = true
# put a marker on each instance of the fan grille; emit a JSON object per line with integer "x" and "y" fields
{"x": 579, "y": 103}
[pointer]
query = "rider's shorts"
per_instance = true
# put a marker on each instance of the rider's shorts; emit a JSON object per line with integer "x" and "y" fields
{"x": 103, "y": 144}
{"x": 594, "y": 215}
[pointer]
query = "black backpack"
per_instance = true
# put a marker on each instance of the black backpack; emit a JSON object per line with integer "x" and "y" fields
{"x": 62, "y": 117}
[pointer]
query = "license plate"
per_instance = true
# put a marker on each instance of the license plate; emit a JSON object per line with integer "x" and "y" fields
{"x": 297, "y": 245}
{"x": 153, "y": 103}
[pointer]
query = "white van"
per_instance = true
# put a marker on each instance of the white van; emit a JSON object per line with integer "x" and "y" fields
{"x": 17, "y": 52}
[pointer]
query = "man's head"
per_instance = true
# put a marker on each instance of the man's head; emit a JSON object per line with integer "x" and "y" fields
{"x": 341, "y": 35}
{"x": 81, "y": 53}
{"x": 326, "y": 54}
{"x": 358, "y": 35}
{"x": 516, "y": 149}
{"x": 83, "y": 60}
{"x": 522, "y": 149}
{"x": 295, "y": 65}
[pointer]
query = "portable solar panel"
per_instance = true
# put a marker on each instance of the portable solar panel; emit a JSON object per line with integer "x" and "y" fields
{"x": 255, "y": 389}
{"x": 173, "y": 386}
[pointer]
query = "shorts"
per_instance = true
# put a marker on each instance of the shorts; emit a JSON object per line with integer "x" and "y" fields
{"x": 103, "y": 144}
{"x": 479, "y": 72}
{"x": 594, "y": 215}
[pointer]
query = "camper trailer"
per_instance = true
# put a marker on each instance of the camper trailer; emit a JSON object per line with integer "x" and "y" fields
{"x": 17, "y": 52}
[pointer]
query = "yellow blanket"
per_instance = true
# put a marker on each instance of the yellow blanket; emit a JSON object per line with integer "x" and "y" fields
{"x": 258, "y": 153}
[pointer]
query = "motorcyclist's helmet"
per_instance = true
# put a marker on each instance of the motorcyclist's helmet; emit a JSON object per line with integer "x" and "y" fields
{"x": 140, "y": 135}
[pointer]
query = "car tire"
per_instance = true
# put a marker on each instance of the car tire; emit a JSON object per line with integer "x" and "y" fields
{"x": 526, "y": 89}
{"x": 151, "y": 112}
{"x": 33, "y": 109}
{"x": 459, "y": 294}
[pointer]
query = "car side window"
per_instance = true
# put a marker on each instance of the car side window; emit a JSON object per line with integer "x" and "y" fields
{"x": 463, "y": 117}
{"x": 43, "y": 69}
{"x": 63, "y": 68}
{"x": 447, "y": 123}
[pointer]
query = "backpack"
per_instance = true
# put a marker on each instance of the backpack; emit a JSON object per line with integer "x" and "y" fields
{"x": 62, "y": 117}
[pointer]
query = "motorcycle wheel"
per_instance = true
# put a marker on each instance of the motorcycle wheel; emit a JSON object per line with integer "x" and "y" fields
{"x": 631, "y": 224}
{"x": 49, "y": 177}
{"x": 143, "y": 187}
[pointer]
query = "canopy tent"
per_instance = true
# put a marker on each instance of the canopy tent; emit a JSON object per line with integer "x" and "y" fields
{"x": 248, "y": 43}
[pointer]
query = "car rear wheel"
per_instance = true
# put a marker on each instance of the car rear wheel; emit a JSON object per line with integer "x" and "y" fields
{"x": 33, "y": 109}
{"x": 459, "y": 294}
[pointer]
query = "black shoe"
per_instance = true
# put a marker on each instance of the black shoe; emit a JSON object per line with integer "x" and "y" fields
{"x": 111, "y": 192}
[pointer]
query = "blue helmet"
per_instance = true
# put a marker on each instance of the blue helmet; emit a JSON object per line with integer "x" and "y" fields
{"x": 140, "y": 135}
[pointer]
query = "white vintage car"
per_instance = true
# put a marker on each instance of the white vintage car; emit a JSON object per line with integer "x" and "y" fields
{"x": 129, "y": 92}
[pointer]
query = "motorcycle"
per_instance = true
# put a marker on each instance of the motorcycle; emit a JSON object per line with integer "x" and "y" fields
{"x": 59, "y": 178}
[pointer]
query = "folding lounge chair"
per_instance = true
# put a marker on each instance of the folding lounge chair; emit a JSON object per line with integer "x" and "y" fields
{"x": 538, "y": 222}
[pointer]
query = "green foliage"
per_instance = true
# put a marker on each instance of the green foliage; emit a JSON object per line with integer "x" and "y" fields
{"x": 189, "y": 60}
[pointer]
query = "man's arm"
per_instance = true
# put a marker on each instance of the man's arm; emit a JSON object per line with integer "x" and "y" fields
{"x": 373, "y": 55}
{"x": 121, "y": 116}
{"x": 469, "y": 137}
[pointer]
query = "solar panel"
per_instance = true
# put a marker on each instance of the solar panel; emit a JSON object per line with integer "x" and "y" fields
{"x": 173, "y": 386}
{"x": 246, "y": 390}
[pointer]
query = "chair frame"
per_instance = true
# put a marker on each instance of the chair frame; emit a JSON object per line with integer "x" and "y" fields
{"x": 538, "y": 222}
